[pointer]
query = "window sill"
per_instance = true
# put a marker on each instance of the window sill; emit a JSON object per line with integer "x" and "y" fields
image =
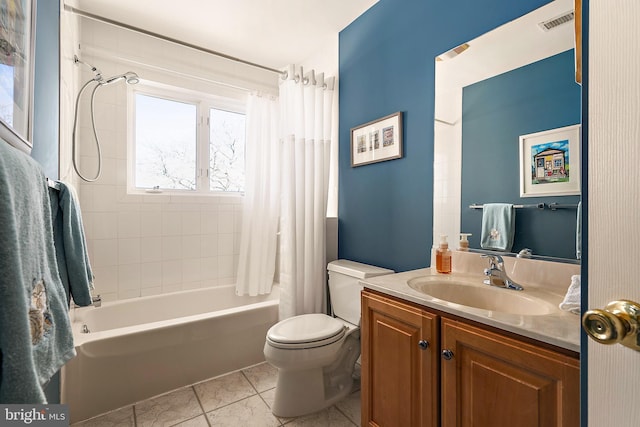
{"x": 128, "y": 196}
{"x": 173, "y": 193}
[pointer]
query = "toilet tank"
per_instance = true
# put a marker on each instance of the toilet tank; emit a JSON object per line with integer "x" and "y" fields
{"x": 344, "y": 287}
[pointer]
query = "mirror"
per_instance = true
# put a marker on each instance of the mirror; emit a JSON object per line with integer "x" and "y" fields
{"x": 515, "y": 80}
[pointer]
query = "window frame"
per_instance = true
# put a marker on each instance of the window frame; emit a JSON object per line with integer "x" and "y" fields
{"x": 203, "y": 103}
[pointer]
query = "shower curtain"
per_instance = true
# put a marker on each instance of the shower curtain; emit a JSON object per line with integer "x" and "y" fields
{"x": 305, "y": 135}
{"x": 258, "y": 242}
{"x": 287, "y": 185}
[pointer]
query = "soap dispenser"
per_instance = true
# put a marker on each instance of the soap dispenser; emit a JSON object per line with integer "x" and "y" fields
{"x": 463, "y": 245}
{"x": 443, "y": 256}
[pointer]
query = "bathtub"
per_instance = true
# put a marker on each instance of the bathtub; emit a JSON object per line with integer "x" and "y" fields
{"x": 142, "y": 347}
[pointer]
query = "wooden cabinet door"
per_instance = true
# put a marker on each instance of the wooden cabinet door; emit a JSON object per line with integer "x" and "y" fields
{"x": 400, "y": 379}
{"x": 494, "y": 381}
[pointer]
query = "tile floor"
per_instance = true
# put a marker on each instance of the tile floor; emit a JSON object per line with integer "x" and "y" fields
{"x": 239, "y": 399}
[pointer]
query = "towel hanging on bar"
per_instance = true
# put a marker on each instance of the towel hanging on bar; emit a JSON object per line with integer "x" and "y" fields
{"x": 36, "y": 338}
{"x": 498, "y": 226}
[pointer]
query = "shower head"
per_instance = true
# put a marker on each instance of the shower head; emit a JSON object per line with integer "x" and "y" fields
{"x": 129, "y": 77}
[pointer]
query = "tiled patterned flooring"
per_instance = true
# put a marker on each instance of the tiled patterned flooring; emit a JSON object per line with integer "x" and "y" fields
{"x": 239, "y": 399}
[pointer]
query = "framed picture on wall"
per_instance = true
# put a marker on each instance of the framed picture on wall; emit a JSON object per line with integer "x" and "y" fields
{"x": 550, "y": 162}
{"x": 17, "y": 19}
{"x": 377, "y": 141}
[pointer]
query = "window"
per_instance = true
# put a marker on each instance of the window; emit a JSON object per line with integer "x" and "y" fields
{"x": 6, "y": 94}
{"x": 185, "y": 142}
{"x": 165, "y": 141}
{"x": 226, "y": 150}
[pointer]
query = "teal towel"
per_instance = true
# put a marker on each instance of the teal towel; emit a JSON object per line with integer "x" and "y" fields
{"x": 71, "y": 246}
{"x": 35, "y": 332}
{"x": 498, "y": 226}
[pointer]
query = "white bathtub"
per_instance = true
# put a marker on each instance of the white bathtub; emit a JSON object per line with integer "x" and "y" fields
{"x": 142, "y": 347}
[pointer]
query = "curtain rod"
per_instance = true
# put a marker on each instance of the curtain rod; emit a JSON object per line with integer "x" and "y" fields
{"x": 167, "y": 39}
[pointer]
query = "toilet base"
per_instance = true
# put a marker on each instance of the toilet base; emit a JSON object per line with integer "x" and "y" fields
{"x": 301, "y": 392}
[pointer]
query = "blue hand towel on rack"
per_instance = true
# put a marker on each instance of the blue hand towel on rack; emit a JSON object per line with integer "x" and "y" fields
{"x": 71, "y": 246}
{"x": 498, "y": 226}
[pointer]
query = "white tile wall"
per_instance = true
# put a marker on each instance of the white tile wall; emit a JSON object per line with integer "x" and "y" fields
{"x": 148, "y": 244}
{"x": 69, "y": 77}
{"x": 136, "y": 252}
{"x": 447, "y": 167}
{"x": 145, "y": 244}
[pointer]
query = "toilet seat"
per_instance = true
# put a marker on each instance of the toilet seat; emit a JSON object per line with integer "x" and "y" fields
{"x": 306, "y": 331}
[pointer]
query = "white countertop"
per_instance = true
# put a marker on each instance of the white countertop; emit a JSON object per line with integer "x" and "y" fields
{"x": 559, "y": 328}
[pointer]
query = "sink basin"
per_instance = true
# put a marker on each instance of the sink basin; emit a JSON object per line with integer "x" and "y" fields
{"x": 477, "y": 295}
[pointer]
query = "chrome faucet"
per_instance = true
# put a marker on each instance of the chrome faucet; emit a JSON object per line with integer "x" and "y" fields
{"x": 496, "y": 275}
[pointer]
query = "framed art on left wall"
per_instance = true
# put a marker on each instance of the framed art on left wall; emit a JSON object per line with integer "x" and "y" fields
{"x": 377, "y": 141}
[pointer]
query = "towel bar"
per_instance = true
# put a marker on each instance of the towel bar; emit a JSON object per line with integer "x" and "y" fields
{"x": 536, "y": 206}
{"x": 53, "y": 184}
{"x": 552, "y": 206}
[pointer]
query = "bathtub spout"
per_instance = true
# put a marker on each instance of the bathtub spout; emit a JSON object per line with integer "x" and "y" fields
{"x": 96, "y": 301}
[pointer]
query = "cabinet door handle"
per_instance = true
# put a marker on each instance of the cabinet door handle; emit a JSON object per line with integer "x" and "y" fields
{"x": 447, "y": 354}
{"x": 423, "y": 344}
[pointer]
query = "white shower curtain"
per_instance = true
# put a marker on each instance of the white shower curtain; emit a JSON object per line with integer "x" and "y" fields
{"x": 305, "y": 135}
{"x": 258, "y": 242}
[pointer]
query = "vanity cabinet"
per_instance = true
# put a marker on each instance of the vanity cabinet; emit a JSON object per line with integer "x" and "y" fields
{"x": 467, "y": 376}
{"x": 492, "y": 380}
{"x": 400, "y": 364}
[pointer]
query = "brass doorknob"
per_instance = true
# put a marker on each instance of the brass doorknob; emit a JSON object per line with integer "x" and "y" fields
{"x": 603, "y": 326}
{"x": 618, "y": 322}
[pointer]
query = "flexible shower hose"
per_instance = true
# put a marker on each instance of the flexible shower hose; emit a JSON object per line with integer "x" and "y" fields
{"x": 93, "y": 126}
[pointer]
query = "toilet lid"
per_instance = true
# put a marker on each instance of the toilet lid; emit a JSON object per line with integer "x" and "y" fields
{"x": 307, "y": 328}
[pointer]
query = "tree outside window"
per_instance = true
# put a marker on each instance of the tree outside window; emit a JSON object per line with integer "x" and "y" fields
{"x": 173, "y": 152}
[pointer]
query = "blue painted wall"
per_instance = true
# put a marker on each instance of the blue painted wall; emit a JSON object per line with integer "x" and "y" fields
{"x": 386, "y": 62}
{"x": 46, "y": 100}
{"x": 495, "y": 112}
{"x": 46, "y": 111}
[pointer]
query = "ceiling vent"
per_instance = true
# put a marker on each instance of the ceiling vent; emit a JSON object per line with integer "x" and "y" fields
{"x": 552, "y": 23}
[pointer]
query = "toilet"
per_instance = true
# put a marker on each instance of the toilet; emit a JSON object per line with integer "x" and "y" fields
{"x": 316, "y": 353}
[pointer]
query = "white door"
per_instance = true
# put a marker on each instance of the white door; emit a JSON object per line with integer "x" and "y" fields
{"x": 614, "y": 201}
